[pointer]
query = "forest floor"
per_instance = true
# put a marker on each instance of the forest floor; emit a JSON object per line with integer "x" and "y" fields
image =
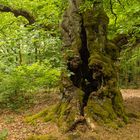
{"x": 18, "y": 129}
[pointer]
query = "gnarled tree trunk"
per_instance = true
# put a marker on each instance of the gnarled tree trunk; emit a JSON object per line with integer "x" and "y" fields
{"x": 91, "y": 91}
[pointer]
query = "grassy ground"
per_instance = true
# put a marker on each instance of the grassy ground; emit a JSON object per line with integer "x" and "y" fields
{"x": 14, "y": 126}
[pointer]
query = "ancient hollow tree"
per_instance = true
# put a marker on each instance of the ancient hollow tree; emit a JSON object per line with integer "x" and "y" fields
{"x": 91, "y": 91}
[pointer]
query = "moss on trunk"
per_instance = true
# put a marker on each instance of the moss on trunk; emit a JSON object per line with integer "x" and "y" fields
{"x": 91, "y": 91}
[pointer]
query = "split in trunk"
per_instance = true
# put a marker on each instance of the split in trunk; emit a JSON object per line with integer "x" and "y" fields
{"x": 91, "y": 92}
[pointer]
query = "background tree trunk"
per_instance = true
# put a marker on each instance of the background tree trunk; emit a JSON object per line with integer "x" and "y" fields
{"x": 91, "y": 91}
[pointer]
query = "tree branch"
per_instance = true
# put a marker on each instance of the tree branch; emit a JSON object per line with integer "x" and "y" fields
{"x": 28, "y": 16}
{"x": 18, "y": 12}
{"x": 112, "y": 11}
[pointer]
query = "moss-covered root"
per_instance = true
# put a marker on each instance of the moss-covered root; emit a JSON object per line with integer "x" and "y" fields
{"x": 118, "y": 106}
{"x": 33, "y": 118}
{"x": 107, "y": 110}
{"x": 67, "y": 113}
{"x": 100, "y": 110}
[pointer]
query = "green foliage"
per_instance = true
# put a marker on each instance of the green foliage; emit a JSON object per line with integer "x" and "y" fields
{"x": 127, "y": 16}
{"x": 30, "y": 56}
{"x": 16, "y": 87}
{"x": 130, "y": 67}
{"x": 28, "y": 45}
{"x": 3, "y": 134}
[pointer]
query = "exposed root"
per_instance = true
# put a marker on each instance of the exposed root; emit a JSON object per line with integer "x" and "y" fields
{"x": 80, "y": 120}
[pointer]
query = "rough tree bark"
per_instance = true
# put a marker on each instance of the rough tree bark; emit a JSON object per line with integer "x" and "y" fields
{"x": 91, "y": 92}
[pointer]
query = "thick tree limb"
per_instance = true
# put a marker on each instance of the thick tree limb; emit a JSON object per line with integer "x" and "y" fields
{"x": 28, "y": 16}
{"x": 18, "y": 12}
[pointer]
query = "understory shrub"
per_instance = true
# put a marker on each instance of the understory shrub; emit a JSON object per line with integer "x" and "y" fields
{"x": 18, "y": 86}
